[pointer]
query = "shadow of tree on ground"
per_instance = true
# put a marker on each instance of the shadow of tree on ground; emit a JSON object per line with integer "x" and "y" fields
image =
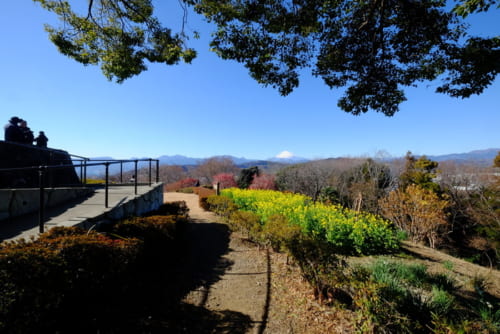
{"x": 200, "y": 264}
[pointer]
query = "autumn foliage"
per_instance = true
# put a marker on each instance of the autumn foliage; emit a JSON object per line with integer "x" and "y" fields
{"x": 184, "y": 183}
{"x": 264, "y": 181}
{"x": 225, "y": 180}
{"x": 419, "y": 212}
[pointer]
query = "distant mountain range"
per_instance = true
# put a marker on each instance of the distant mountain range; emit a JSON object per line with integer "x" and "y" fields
{"x": 482, "y": 157}
{"x": 479, "y": 157}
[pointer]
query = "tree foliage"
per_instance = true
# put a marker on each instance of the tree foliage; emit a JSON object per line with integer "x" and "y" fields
{"x": 372, "y": 49}
{"x": 309, "y": 179}
{"x": 466, "y": 7}
{"x": 119, "y": 35}
{"x": 419, "y": 172}
{"x": 225, "y": 180}
{"x": 263, "y": 181}
{"x": 206, "y": 170}
{"x": 496, "y": 162}
{"x": 362, "y": 186}
{"x": 419, "y": 212}
{"x": 246, "y": 176}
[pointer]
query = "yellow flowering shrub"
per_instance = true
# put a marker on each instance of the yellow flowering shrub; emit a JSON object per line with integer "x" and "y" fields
{"x": 349, "y": 231}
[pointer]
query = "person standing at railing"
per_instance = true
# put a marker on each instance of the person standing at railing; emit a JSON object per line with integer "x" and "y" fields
{"x": 41, "y": 140}
{"x": 12, "y": 130}
{"x": 28, "y": 137}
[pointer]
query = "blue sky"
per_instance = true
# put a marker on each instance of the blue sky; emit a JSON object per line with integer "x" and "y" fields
{"x": 213, "y": 107}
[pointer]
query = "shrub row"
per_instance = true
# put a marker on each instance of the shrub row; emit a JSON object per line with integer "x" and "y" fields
{"x": 203, "y": 193}
{"x": 70, "y": 280}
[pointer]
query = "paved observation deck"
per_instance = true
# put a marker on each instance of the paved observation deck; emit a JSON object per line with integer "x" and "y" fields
{"x": 86, "y": 212}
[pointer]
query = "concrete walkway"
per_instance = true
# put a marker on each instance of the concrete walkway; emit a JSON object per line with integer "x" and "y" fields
{"x": 83, "y": 211}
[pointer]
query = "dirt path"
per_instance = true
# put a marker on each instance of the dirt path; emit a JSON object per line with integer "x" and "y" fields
{"x": 238, "y": 285}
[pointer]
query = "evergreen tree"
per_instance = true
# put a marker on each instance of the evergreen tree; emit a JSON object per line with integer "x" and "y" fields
{"x": 421, "y": 172}
{"x": 246, "y": 176}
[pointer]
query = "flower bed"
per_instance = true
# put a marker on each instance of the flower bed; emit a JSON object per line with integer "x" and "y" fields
{"x": 348, "y": 230}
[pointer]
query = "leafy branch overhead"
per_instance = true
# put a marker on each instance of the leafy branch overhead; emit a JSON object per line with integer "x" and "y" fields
{"x": 372, "y": 49}
{"x": 117, "y": 35}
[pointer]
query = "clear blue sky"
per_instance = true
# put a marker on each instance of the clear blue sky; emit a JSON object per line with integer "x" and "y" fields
{"x": 213, "y": 107}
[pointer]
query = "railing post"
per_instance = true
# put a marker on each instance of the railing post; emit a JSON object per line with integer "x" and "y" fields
{"x": 107, "y": 185}
{"x": 136, "y": 177}
{"x": 121, "y": 172}
{"x": 41, "y": 210}
{"x": 81, "y": 171}
{"x": 150, "y": 171}
{"x": 157, "y": 171}
{"x": 85, "y": 170}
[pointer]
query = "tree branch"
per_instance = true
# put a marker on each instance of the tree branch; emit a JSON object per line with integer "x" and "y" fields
{"x": 89, "y": 10}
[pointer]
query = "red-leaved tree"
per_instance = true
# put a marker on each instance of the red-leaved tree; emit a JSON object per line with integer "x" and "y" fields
{"x": 264, "y": 181}
{"x": 189, "y": 182}
{"x": 225, "y": 180}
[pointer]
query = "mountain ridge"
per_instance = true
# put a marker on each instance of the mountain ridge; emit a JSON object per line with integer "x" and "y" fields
{"x": 482, "y": 157}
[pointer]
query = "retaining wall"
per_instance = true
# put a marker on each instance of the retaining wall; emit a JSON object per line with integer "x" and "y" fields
{"x": 137, "y": 205}
{"x": 17, "y": 202}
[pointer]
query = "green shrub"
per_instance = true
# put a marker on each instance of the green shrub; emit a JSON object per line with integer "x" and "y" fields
{"x": 221, "y": 205}
{"x": 279, "y": 233}
{"x": 322, "y": 268}
{"x": 178, "y": 208}
{"x": 71, "y": 280}
{"x": 374, "y": 313}
{"x": 246, "y": 222}
{"x": 203, "y": 194}
{"x": 62, "y": 280}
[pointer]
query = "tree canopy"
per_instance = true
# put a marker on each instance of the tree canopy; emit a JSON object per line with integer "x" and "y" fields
{"x": 372, "y": 49}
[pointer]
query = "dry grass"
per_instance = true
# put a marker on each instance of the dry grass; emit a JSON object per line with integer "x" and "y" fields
{"x": 294, "y": 309}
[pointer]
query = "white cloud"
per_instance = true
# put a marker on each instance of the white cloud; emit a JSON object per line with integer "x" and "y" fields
{"x": 285, "y": 155}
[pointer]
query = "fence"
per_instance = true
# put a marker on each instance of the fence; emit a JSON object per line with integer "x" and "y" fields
{"x": 82, "y": 163}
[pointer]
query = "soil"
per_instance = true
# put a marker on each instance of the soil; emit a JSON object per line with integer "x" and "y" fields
{"x": 241, "y": 288}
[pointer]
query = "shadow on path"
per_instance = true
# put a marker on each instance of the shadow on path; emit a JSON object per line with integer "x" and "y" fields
{"x": 201, "y": 264}
{"x": 265, "y": 312}
{"x": 12, "y": 227}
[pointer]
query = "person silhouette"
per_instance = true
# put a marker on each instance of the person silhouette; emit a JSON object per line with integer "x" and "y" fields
{"x": 13, "y": 131}
{"x": 28, "y": 137}
{"x": 41, "y": 140}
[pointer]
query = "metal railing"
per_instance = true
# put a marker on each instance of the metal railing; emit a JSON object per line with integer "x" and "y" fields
{"x": 84, "y": 164}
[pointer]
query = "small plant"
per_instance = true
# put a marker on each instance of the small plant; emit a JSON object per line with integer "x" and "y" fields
{"x": 490, "y": 315}
{"x": 414, "y": 274}
{"x": 411, "y": 293}
{"x": 441, "y": 302}
{"x": 448, "y": 265}
{"x": 480, "y": 284}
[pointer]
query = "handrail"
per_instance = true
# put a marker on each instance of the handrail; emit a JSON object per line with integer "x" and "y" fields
{"x": 42, "y": 170}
